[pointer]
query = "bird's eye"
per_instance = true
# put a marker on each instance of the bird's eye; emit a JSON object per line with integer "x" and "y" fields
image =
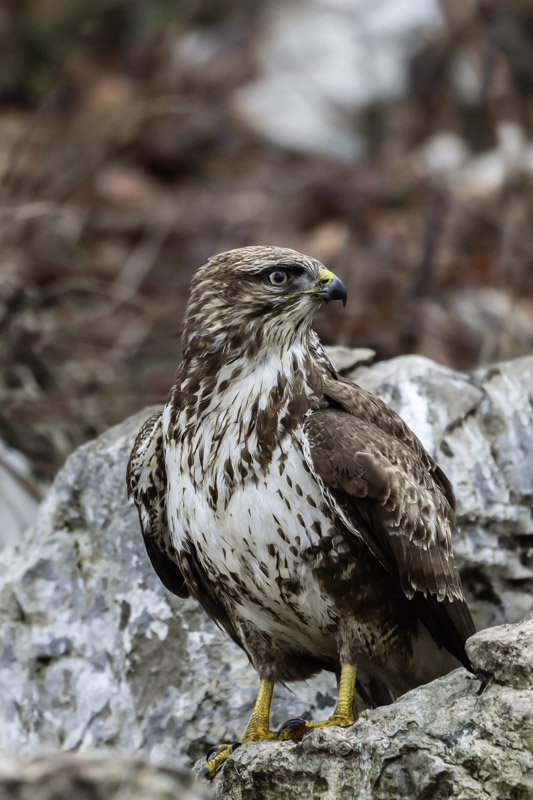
{"x": 278, "y": 278}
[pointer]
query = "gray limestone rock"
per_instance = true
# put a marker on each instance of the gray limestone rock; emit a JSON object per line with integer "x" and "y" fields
{"x": 506, "y": 652}
{"x": 94, "y": 653}
{"x": 95, "y": 776}
{"x": 19, "y": 495}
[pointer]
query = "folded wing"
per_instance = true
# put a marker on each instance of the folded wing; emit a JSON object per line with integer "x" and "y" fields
{"x": 386, "y": 489}
{"x": 147, "y": 484}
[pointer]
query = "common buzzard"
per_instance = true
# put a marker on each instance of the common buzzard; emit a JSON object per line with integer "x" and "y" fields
{"x": 297, "y": 508}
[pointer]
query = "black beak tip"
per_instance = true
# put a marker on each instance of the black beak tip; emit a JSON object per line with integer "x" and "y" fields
{"x": 336, "y": 291}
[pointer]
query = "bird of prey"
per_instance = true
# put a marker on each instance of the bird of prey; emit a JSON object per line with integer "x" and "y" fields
{"x": 297, "y": 508}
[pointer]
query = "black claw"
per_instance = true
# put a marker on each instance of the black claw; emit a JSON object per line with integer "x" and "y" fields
{"x": 211, "y": 752}
{"x": 234, "y": 746}
{"x": 204, "y": 774}
{"x": 291, "y": 723}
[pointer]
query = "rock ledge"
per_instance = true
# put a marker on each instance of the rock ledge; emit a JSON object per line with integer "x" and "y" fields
{"x": 465, "y": 736}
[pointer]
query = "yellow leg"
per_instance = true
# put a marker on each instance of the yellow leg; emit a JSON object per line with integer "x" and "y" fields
{"x": 257, "y": 728}
{"x": 258, "y": 724}
{"x": 343, "y": 714}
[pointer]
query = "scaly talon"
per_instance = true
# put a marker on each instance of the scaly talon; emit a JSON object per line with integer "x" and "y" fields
{"x": 223, "y": 752}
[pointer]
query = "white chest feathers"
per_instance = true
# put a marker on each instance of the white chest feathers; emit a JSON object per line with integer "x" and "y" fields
{"x": 251, "y": 531}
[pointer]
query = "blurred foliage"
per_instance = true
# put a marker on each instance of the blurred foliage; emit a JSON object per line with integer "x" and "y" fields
{"x": 38, "y": 34}
{"x": 124, "y": 167}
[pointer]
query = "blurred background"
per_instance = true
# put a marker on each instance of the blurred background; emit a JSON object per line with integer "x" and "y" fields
{"x": 391, "y": 140}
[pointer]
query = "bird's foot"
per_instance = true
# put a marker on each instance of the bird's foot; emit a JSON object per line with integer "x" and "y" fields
{"x": 295, "y": 729}
{"x": 218, "y": 755}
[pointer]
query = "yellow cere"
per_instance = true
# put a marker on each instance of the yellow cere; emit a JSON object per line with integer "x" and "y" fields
{"x": 325, "y": 276}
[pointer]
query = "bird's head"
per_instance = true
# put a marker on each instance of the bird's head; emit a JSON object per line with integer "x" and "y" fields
{"x": 256, "y": 296}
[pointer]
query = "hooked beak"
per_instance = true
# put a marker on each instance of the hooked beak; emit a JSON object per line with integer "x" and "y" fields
{"x": 330, "y": 287}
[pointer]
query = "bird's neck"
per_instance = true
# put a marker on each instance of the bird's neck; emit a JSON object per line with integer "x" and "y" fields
{"x": 226, "y": 337}
{"x": 231, "y": 421}
{"x": 280, "y": 384}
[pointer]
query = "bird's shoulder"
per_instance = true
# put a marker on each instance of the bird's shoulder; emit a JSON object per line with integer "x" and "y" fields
{"x": 373, "y": 417}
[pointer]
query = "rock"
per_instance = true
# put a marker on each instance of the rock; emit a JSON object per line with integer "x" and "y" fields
{"x": 487, "y": 314}
{"x": 506, "y": 652}
{"x": 461, "y": 736}
{"x": 346, "y": 359}
{"x": 445, "y": 157}
{"x": 94, "y": 653}
{"x": 442, "y": 156}
{"x": 102, "y": 776}
{"x": 321, "y": 61}
{"x": 18, "y": 495}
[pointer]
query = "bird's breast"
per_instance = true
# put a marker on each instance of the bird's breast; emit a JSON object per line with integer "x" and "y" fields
{"x": 252, "y": 528}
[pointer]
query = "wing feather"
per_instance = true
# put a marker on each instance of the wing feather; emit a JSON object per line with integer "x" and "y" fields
{"x": 147, "y": 484}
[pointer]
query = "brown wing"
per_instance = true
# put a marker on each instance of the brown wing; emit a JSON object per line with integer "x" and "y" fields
{"x": 147, "y": 484}
{"x": 359, "y": 402}
{"x": 388, "y": 490}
